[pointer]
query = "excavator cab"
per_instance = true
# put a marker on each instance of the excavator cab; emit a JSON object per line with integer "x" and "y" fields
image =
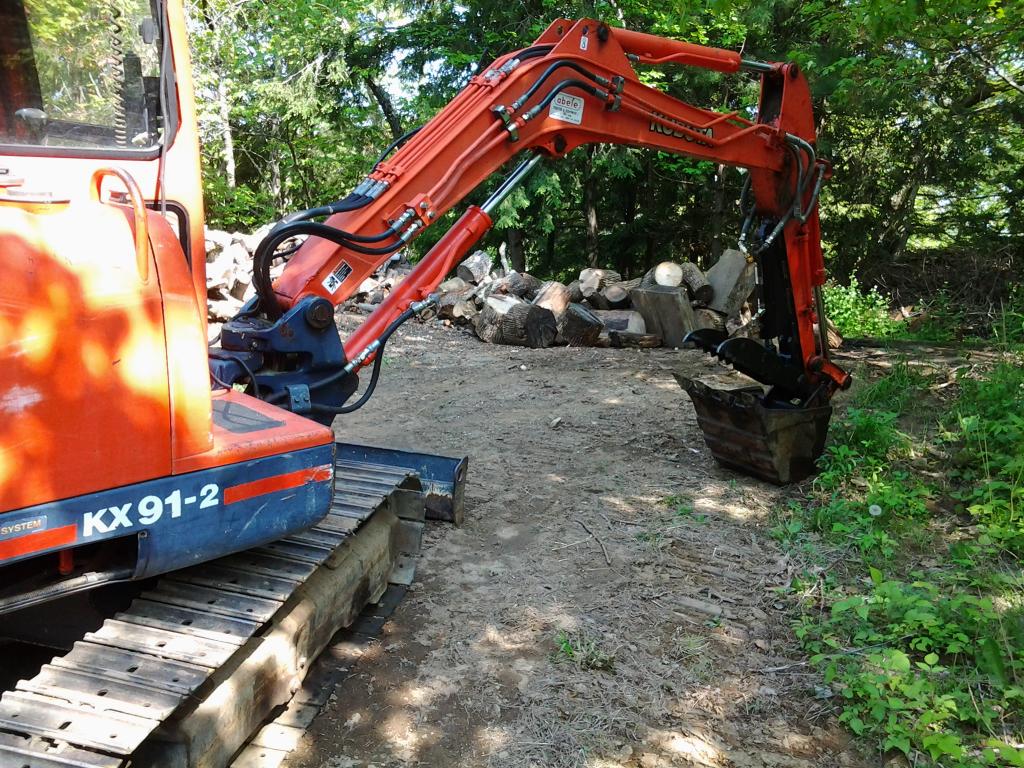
{"x": 119, "y": 458}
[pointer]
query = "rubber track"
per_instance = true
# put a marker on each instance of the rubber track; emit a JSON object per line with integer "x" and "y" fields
{"x": 97, "y": 704}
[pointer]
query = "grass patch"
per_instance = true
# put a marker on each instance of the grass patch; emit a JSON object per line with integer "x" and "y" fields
{"x": 582, "y": 651}
{"x": 918, "y": 629}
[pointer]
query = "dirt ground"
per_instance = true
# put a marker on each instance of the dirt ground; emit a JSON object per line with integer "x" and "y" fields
{"x": 612, "y": 599}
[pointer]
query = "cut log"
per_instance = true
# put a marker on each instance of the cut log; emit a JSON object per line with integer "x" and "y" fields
{"x": 457, "y": 307}
{"x": 732, "y": 282}
{"x": 475, "y": 267}
{"x": 510, "y": 320}
{"x": 835, "y": 339}
{"x": 553, "y": 296}
{"x": 668, "y": 273}
{"x": 575, "y": 294}
{"x": 598, "y": 301}
{"x": 620, "y": 339}
{"x": 593, "y": 280}
{"x": 708, "y": 318}
{"x": 453, "y": 285}
{"x": 519, "y": 284}
{"x": 666, "y": 311}
{"x": 579, "y": 327}
{"x": 622, "y": 320}
{"x": 616, "y": 295}
{"x": 696, "y": 283}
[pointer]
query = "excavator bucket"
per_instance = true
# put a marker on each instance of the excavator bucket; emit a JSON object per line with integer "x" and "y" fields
{"x": 776, "y": 443}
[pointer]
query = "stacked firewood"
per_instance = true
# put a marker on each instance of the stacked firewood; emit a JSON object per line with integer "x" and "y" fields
{"x": 599, "y": 308}
{"x": 503, "y": 306}
{"x": 229, "y": 270}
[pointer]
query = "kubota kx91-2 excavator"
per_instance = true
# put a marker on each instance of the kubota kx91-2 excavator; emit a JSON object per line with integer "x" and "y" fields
{"x": 126, "y": 448}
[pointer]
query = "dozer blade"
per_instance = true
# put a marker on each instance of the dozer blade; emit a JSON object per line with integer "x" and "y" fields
{"x": 779, "y": 443}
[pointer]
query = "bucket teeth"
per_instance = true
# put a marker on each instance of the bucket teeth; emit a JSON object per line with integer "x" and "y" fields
{"x": 706, "y": 339}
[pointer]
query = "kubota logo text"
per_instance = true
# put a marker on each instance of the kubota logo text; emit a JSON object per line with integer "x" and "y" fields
{"x": 659, "y": 126}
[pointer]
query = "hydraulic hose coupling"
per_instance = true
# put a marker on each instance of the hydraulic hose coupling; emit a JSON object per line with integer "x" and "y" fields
{"x": 420, "y": 306}
{"x": 358, "y": 360}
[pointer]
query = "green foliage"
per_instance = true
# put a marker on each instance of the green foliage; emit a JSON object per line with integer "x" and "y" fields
{"x": 925, "y": 655}
{"x": 856, "y": 313}
{"x": 239, "y": 208}
{"x": 583, "y": 651}
{"x": 924, "y": 667}
{"x": 897, "y": 391}
{"x": 919, "y": 108}
{"x": 990, "y": 429}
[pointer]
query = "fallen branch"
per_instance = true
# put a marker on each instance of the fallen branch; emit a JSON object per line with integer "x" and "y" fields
{"x": 597, "y": 538}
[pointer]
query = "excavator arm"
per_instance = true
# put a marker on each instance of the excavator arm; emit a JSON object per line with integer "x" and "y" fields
{"x": 575, "y": 85}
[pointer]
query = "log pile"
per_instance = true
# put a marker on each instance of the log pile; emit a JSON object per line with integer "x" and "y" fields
{"x": 503, "y": 306}
{"x": 600, "y": 308}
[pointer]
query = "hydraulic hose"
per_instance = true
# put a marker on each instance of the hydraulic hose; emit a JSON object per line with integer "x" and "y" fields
{"x": 602, "y": 81}
{"x": 396, "y": 144}
{"x": 563, "y": 85}
{"x": 265, "y": 253}
{"x": 376, "y": 348}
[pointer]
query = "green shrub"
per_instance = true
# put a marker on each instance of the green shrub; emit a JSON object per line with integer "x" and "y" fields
{"x": 925, "y": 667}
{"x": 926, "y": 655}
{"x": 859, "y": 314}
{"x": 990, "y": 429}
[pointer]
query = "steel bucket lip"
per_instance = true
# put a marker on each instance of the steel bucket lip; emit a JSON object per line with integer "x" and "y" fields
{"x": 777, "y": 442}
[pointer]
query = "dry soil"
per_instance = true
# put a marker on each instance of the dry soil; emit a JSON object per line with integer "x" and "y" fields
{"x": 613, "y": 599}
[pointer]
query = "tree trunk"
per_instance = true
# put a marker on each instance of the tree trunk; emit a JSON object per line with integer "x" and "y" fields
{"x": 696, "y": 283}
{"x": 520, "y": 284}
{"x": 666, "y": 312}
{"x": 514, "y": 249}
{"x": 387, "y": 108}
{"x": 593, "y": 280}
{"x": 554, "y": 297}
{"x": 717, "y": 213}
{"x": 622, "y": 320}
{"x": 579, "y": 327}
{"x": 508, "y": 320}
{"x": 475, "y": 267}
{"x": 590, "y": 207}
{"x": 226, "y": 135}
{"x": 616, "y": 295}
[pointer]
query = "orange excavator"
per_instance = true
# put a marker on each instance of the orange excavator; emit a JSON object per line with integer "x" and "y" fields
{"x": 127, "y": 446}
{"x": 130, "y": 448}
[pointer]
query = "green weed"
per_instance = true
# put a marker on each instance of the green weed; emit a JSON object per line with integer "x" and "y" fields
{"x": 857, "y": 313}
{"x": 582, "y": 651}
{"x": 927, "y": 662}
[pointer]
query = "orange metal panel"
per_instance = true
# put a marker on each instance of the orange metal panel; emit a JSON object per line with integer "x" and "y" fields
{"x": 187, "y": 362}
{"x": 279, "y": 431}
{"x": 83, "y": 374}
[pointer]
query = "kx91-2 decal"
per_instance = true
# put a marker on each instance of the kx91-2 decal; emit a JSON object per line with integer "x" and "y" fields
{"x": 148, "y": 510}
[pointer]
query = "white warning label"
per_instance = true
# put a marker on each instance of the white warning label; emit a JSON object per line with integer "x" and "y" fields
{"x": 334, "y": 280}
{"x": 567, "y": 108}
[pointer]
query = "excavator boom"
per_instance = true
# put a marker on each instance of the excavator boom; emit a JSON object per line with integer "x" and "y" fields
{"x": 577, "y": 84}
